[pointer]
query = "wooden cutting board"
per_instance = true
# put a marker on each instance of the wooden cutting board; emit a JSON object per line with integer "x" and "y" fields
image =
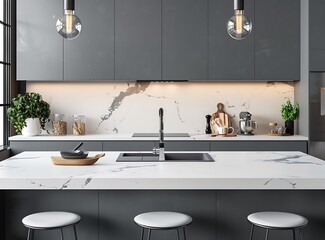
{"x": 76, "y": 162}
{"x": 224, "y": 118}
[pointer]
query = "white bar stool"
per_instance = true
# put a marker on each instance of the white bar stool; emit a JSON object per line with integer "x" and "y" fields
{"x": 162, "y": 221}
{"x": 277, "y": 221}
{"x": 49, "y": 221}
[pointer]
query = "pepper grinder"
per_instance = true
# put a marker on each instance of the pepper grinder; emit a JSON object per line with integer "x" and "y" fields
{"x": 208, "y": 127}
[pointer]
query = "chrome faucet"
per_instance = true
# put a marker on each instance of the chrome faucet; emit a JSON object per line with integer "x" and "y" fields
{"x": 161, "y": 136}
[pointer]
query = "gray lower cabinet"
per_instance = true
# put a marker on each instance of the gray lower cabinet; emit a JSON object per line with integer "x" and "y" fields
{"x": 91, "y": 55}
{"x": 317, "y": 35}
{"x": 260, "y": 146}
{"x": 20, "y": 146}
{"x": 187, "y": 146}
{"x": 109, "y": 214}
{"x": 138, "y": 40}
{"x": 229, "y": 59}
{"x": 277, "y": 40}
{"x": 128, "y": 145}
{"x": 39, "y": 46}
{"x": 184, "y": 39}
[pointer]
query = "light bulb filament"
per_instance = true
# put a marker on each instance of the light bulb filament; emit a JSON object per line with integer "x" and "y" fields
{"x": 68, "y": 21}
{"x": 239, "y": 21}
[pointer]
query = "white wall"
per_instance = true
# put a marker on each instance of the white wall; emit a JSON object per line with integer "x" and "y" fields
{"x": 133, "y": 107}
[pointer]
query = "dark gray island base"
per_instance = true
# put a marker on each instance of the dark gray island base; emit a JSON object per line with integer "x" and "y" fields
{"x": 108, "y": 214}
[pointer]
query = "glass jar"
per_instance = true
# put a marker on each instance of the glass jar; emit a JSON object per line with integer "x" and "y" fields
{"x": 59, "y": 124}
{"x": 79, "y": 124}
{"x": 273, "y": 128}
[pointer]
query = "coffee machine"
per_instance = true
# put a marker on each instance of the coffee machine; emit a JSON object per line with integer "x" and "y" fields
{"x": 246, "y": 125}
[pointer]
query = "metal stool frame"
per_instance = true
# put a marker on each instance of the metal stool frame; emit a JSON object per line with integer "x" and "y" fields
{"x": 143, "y": 228}
{"x": 31, "y": 230}
{"x": 276, "y": 228}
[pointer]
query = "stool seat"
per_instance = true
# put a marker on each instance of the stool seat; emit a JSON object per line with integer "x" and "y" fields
{"x": 46, "y": 220}
{"x": 277, "y": 220}
{"x": 162, "y": 220}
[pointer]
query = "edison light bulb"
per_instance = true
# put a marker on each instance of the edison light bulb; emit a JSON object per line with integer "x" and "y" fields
{"x": 239, "y": 26}
{"x": 69, "y": 26}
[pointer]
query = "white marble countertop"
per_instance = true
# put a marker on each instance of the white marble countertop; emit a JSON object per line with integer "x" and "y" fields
{"x": 128, "y": 137}
{"x": 231, "y": 170}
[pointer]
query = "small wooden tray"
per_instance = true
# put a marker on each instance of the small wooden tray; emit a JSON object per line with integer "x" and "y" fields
{"x": 223, "y": 135}
{"x": 278, "y": 134}
{"x": 76, "y": 162}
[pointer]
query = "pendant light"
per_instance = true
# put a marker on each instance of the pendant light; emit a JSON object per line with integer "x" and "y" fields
{"x": 239, "y": 26}
{"x": 69, "y": 26}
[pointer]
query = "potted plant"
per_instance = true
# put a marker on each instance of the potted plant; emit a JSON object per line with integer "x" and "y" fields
{"x": 289, "y": 113}
{"x": 28, "y": 113}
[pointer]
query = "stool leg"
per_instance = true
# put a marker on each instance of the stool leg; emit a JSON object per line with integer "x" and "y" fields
{"x": 177, "y": 231}
{"x": 61, "y": 234}
{"x": 267, "y": 234}
{"x": 75, "y": 232}
{"x": 30, "y": 235}
{"x": 252, "y": 232}
{"x": 142, "y": 233}
{"x": 149, "y": 233}
{"x": 300, "y": 233}
{"x": 293, "y": 234}
{"x": 184, "y": 233}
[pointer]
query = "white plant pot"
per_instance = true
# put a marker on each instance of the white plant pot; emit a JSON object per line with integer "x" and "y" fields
{"x": 32, "y": 128}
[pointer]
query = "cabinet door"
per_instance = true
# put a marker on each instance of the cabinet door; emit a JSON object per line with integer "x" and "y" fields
{"x": 229, "y": 59}
{"x": 138, "y": 39}
{"x": 260, "y": 146}
{"x": 184, "y": 39}
{"x": 317, "y": 35}
{"x": 39, "y": 46}
{"x": 128, "y": 145}
{"x": 91, "y": 55}
{"x": 187, "y": 146}
{"x": 21, "y": 146}
{"x": 277, "y": 40}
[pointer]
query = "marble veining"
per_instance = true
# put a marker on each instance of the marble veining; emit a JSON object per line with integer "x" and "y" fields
{"x": 230, "y": 170}
{"x": 293, "y": 185}
{"x": 119, "y": 108}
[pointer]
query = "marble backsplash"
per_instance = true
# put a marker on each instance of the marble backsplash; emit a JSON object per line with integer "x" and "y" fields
{"x": 113, "y": 108}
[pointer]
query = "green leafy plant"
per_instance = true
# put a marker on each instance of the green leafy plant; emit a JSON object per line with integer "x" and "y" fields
{"x": 289, "y": 112}
{"x": 28, "y": 105}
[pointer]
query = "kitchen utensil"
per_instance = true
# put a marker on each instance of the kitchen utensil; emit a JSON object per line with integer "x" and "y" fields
{"x": 218, "y": 122}
{"x": 225, "y": 130}
{"x": 281, "y": 129}
{"x": 78, "y": 154}
{"x": 74, "y": 154}
{"x": 76, "y": 162}
{"x": 224, "y": 119}
{"x": 246, "y": 125}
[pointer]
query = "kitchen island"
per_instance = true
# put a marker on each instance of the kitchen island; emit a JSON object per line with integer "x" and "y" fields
{"x": 218, "y": 195}
{"x": 230, "y": 170}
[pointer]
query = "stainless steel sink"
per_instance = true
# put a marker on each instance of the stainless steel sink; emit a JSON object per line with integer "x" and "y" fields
{"x": 169, "y": 157}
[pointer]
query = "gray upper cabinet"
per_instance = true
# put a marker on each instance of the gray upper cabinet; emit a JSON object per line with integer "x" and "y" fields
{"x": 91, "y": 55}
{"x": 184, "y": 39}
{"x": 317, "y": 35}
{"x": 39, "y": 46}
{"x": 138, "y": 39}
{"x": 165, "y": 40}
{"x": 277, "y": 40}
{"x": 229, "y": 59}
